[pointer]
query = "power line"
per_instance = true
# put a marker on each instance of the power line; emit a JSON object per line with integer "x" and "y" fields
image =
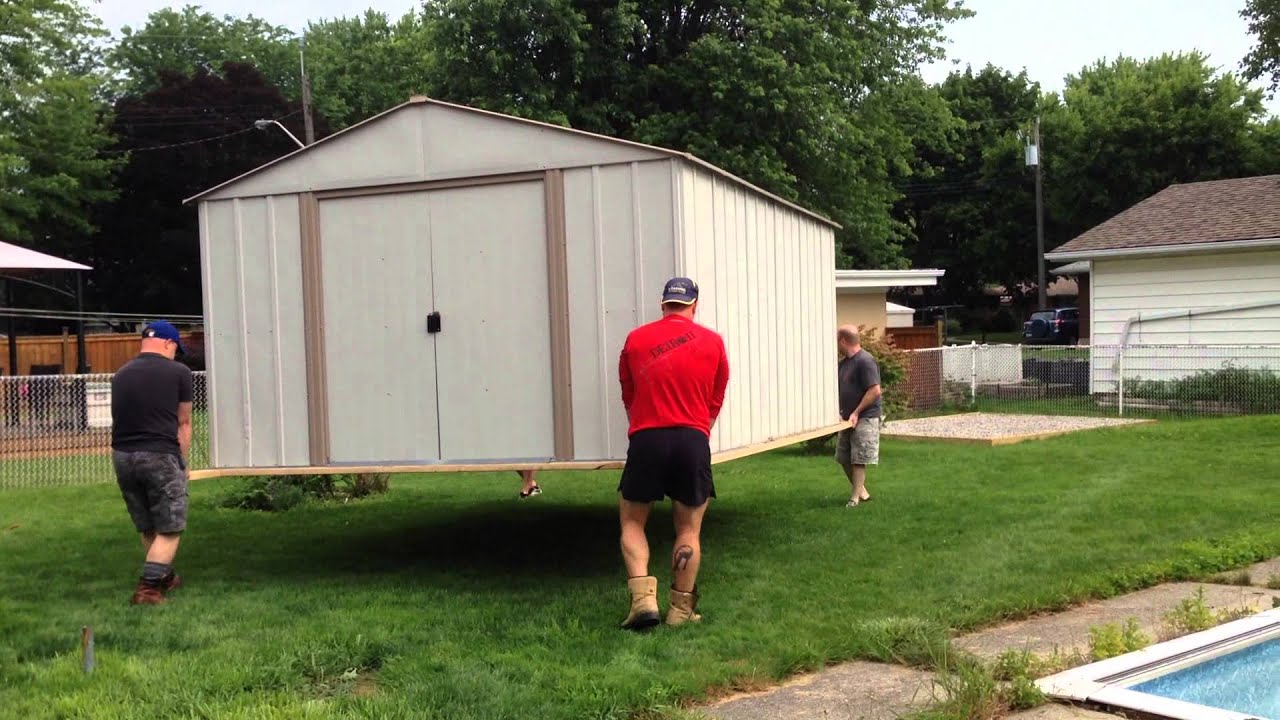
{"x": 201, "y": 141}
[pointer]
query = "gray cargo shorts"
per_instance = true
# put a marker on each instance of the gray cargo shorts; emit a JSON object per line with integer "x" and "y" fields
{"x": 859, "y": 445}
{"x": 154, "y": 486}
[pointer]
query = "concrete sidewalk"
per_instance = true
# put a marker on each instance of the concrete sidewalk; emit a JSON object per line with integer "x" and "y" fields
{"x": 873, "y": 691}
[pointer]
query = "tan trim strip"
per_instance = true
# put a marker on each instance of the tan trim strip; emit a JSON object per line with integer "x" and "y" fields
{"x": 558, "y": 286}
{"x": 313, "y": 327}
{"x": 585, "y": 465}
{"x": 502, "y": 179}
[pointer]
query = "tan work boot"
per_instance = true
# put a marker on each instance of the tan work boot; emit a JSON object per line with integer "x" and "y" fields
{"x": 644, "y": 603}
{"x": 684, "y": 607}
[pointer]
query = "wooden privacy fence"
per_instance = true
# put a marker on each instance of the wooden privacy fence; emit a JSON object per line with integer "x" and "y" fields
{"x": 914, "y": 338}
{"x": 56, "y": 354}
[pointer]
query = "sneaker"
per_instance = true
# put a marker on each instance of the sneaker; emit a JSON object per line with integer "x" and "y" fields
{"x": 535, "y": 490}
{"x": 147, "y": 595}
{"x": 171, "y": 582}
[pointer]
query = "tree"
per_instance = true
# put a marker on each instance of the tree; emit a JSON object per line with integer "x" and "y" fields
{"x": 51, "y": 127}
{"x": 976, "y": 215}
{"x": 146, "y": 258}
{"x": 362, "y": 66}
{"x": 1126, "y": 129}
{"x": 184, "y": 41}
{"x": 803, "y": 99}
{"x": 1263, "y": 60}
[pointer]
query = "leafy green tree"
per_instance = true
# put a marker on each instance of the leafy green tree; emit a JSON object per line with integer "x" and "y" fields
{"x": 187, "y": 39}
{"x": 1126, "y": 129}
{"x": 1263, "y": 60}
{"x": 51, "y": 128}
{"x": 974, "y": 213}
{"x": 804, "y": 99}
{"x": 364, "y": 65}
{"x": 146, "y": 256}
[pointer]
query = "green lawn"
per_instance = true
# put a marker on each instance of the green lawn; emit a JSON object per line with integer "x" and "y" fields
{"x": 452, "y": 599}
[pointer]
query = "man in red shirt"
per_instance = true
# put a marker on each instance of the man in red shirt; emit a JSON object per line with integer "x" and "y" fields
{"x": 673, "y": 373}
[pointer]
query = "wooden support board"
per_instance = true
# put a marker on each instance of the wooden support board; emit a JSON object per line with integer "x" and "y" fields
{"x": 721, "y": 457}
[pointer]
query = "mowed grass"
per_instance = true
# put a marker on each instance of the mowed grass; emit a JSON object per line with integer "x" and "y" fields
{"x": 450, "y": 598}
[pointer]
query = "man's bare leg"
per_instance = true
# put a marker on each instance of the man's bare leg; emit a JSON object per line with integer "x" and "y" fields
{"x": 635, "y": 545}
{"x": 857, "y": 475}
{"x": 163, "y": 549}
{"x": 686, "y": 557}
{"x": 147, "y": 539}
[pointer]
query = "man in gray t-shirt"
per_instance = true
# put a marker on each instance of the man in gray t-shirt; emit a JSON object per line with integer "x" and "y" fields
{"x": 858, "y": 445}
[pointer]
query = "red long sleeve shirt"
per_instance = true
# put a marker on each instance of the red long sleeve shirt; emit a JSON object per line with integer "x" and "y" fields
{"x": 673, "y": 373}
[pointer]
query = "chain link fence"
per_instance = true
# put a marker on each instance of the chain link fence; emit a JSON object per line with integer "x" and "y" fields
{"x": 56, "y": 429}
{"x": 1107, "y": 380}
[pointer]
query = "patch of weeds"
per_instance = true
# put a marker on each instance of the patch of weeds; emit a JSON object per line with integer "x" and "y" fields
{"x": 909, "y": 641}
{"x": 286, "y": 492}
{"x": 340, "y": 666}
{"x": 968, "y": 689}
{"x": 1241, "y": 578}
{"x": 1273, "y": 582}
{"x": 1194, "y": 615}
{"x": 1114, "y": 639}
{"x": 1018, "y": 669}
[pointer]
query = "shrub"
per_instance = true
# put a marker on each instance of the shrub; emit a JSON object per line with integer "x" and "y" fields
{"x": 283, "y": 493}
{"x": 1113, "y": 639}
{"x": 954, "y": 327}
{"x": 1249, "y": 390}
{"x": 1004, "y": 321}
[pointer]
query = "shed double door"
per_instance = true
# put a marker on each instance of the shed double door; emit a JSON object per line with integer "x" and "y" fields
{"x": 478, "y": 386}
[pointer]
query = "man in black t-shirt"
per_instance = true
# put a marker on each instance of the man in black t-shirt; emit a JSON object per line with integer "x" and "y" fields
{"x": 150, "y": 438}
{"x": 858, "y": 445}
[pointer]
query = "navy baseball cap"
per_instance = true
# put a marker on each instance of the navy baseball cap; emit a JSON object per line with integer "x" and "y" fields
{"x": 163, "y": 330}
{"x": 680, "y": 290}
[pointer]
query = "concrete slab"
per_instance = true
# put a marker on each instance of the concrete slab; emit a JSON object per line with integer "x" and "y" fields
{"x": 1265, "y": 572}
{"x": 853, "y": 691}
{"x": 1069, "y": 631}
{"x": 1061, "y": 712}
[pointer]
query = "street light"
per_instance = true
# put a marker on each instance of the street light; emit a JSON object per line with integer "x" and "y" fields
{"x": 264, "y": 124}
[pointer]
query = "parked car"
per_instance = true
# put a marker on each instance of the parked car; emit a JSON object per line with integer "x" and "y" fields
{"x": 1052, "y": 327}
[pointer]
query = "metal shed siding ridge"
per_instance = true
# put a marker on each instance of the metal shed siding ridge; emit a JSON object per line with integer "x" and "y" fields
{"x": 767, "y": 285}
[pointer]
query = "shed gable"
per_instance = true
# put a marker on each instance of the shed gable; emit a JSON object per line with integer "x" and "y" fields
{"x": 423, "y": 141}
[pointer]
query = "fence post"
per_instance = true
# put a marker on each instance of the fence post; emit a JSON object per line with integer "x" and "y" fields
{"x": 1120, "y": 403}
{"x": 973, "y": 372}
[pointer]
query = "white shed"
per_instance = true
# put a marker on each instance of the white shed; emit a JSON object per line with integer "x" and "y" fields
{"x": 1184, "y": 280}
{"x": 444, "y": 286}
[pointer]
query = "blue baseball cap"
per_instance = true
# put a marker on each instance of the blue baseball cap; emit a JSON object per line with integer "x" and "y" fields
{"x": 163, "y": 330}
{"x": 680, "y": 290}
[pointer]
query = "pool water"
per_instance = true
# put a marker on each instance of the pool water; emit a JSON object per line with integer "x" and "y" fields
{"x": 1246, "y": 681}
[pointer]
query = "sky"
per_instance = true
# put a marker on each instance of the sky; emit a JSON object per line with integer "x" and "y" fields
{"x": 1050, "y": 38}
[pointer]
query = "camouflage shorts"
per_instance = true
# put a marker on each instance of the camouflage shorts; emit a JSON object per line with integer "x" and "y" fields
{"x": 154, "y": 486}
{"x": 859, "y": 445}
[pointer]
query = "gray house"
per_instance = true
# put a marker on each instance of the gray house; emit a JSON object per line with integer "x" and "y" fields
{"x": 444, "y": 285}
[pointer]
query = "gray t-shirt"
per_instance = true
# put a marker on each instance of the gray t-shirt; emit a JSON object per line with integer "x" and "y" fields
{"x": 857, "y": 373}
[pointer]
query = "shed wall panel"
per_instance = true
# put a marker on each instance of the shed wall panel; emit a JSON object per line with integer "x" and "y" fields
{"x": 767, "y": 275}
{"x": 621, "y": 248}
{"x": 255, "y": 332}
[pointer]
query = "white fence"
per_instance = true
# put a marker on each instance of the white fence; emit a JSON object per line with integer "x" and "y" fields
{"x": 1106, "y": 379}
{"x": 56, "y": 429}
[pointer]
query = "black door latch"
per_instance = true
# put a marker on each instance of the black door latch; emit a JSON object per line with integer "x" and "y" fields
{"x": 433, "y": 323}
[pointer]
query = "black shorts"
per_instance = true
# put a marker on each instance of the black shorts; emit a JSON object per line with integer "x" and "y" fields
{"x": 674, "y": 462}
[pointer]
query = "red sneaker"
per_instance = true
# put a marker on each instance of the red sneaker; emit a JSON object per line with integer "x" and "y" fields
{"x": 146, "y": 595}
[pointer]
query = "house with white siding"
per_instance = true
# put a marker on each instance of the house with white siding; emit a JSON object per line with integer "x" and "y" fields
{"x": 1193, "y": 265}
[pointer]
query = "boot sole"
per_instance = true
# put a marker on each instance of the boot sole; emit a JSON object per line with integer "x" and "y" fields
{"x": 647, "y": 621}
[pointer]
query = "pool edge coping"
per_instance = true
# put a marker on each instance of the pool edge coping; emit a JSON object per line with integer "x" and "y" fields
{"x": 1097, "y": 683}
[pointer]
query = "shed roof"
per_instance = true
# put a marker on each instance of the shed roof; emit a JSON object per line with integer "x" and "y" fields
{"x": 1203, "y": 213}
{"x": 419, "y": 100}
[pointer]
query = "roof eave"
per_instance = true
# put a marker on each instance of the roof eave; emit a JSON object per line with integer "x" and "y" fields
{"x": 873, "y": 279}
{"x": 1159, "y": 250}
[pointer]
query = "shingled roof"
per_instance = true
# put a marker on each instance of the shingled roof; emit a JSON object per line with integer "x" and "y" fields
{"x": 1191, "y": 214}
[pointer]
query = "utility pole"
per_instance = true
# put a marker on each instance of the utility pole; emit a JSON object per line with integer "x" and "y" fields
{"x": 1040, "y": 223}
{"x": 309, "y": 127}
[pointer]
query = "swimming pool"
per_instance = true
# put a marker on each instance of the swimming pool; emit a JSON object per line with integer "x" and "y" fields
{"x": 1231, "y": 672}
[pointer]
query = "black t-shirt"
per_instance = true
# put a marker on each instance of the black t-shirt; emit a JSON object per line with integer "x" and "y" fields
{"x": 144, "y": 404}
{"x": 858, "y": 373}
